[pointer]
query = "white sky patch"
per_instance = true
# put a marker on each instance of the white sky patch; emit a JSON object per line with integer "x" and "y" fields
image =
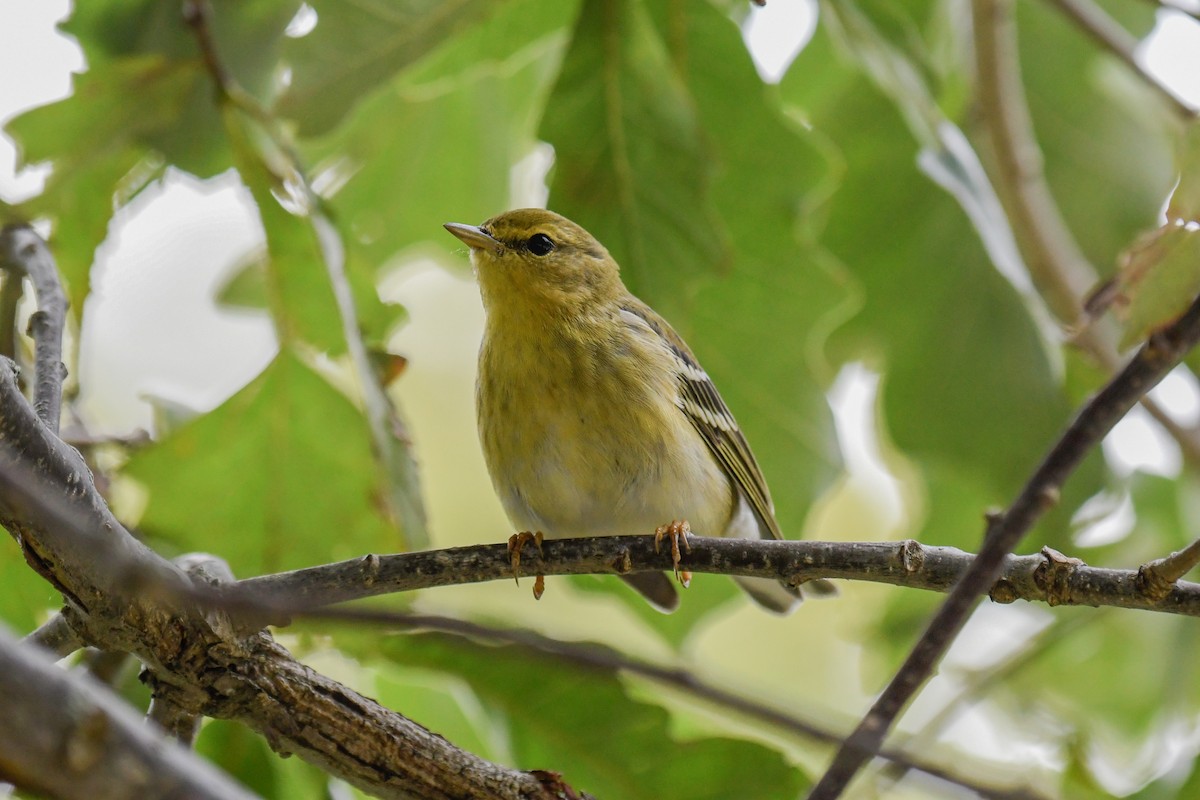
{"x": 1172, "y": 52}
{"x": 38, "y": 62}
{"x": 1139, "y": 443}
{"x": 853, "y": 398}
{"x": 150, "y": 325}
{"x": 1104, "y": 519}
{"x": 775, "y": 34}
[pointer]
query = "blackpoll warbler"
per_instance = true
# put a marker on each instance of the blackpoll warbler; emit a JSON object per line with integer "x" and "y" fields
{"x": 595, "y": 417}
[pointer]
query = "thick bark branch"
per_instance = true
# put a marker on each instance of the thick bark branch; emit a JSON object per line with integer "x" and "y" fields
{"x": 24, "y": 253}
{"x": 123, "y": 597}
{"x": 64, "y": 735}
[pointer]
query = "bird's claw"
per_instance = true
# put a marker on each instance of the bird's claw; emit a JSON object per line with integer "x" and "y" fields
{"x": 516, "y": 543}
{"x": 676, "y": 530}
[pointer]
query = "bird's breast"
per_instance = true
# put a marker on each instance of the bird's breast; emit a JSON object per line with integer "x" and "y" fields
{"x": 582, "y": 436}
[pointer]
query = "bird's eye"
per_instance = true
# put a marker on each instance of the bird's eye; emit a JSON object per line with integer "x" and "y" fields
{"x": 540, "y": 244}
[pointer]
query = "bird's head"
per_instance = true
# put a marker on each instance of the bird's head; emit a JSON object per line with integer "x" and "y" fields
{"x": 534, "y": 255}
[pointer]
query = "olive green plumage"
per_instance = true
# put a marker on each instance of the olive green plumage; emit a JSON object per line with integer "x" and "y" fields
{"x": 594, "y": 416}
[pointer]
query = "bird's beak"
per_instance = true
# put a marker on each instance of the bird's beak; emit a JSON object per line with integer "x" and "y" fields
{"x": 474, "y": 237}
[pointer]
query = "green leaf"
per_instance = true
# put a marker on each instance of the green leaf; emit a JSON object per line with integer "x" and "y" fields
{"x": 27, "y": 597}
{"x": 280, "y": 476}
{"x": 80, "y": 202}
{"x": 1088, "y": 111}
{"x": 247, "y": 35}
{"x": 581, "y": 722}
{"x": 769, "y": 180}
{"x": 631, "y": 164}
{"x": 356, "y": 47}
{"x": 1144, "y": 654}
{"x": 298, "y": 288}
{"x": 248, "y": 759}
{"x": 402, "y": 181}
{"x": 97, "y": 141}
{"x": 959, "y": 354}
{"x": 1185, "y": 201}
{"x": 1160, "y": 277}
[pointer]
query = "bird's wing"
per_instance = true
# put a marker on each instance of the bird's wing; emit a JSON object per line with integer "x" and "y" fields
{"x": 699, "y": 400}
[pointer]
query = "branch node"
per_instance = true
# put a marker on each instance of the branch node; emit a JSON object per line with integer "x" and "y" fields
{"x": 1156, "y": 578}
{"x": 623, "y": 563}
{"x": 370, "y": 569}
{"x": 555, "y": 787}
{"x": 1003, "y": 592}
{"x": 1049, "y": 497}
{"x": 1152, "y": 583}
{"x": 912, "y": 555}
{"x": 1053, "y": 576}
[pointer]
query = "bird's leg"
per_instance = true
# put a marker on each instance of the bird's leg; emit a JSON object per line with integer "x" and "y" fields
{"x": 515, "y": 543}
{"x": 676, "y": 530}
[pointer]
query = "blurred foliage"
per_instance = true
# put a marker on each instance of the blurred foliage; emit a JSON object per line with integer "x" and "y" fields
{"x": 845, "y": 215}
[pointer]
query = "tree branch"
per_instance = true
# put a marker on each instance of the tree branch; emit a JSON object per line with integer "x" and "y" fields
{"x": 1106, "y": 32}
{"x": 390, "y": 440}
{"x": 1048, "y": 577}
{"x": 11, "y": 292}
{"x": 1159, "y": 576}
{"x": 123, "y": 597}
{"x": 1059, "y": 269}
{"x": 64, "y": 735}
{"x": 55, "y": 636}
{"x": 595, "y": 655}
{"x": 1159, "y": 355}
{"x": 23, "y": 253}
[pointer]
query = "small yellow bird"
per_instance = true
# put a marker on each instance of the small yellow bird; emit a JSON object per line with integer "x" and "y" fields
{"x": 595, "y": 417}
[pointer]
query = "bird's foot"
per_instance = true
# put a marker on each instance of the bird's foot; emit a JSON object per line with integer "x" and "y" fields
{"x": 676, "y": 530}
{"x": 516, "y": 543}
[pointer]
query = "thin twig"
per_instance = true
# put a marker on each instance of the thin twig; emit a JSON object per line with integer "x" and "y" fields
{"x": 390, "y": 438}
{"x": 1060, "y": 270}
{"x": 174, "y": 720}
{"x": 10, "y": 300}
{"x": 1189, "y": 7}
{"x": 1047, "y": 577}
{"x": 1056, "y": 264}
{"x": 1005, "y": 530}
{"x": 23, "y": 251}
{"x": 599, "y": 656}
{"x": 1158, "y": 576}
{"x": 56, "y": 636}
{"x": 980, "y": 682}
{"x": 1096, "y": 23}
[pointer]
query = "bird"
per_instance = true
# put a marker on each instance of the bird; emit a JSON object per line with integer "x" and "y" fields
{"x": 594, "y": 416}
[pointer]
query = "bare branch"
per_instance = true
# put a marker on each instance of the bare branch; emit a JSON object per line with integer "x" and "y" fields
{"x": 1047, "y": 577}
{"x": 176, "y": 722}
{"x": 1157, "y": 357}
{"x": 11, "y": 292}
{"x": 1159, "y": 576}
{"x": 390, "y": 440}
{"x": 23, "y": 252}
{"x": 66, "y": 736}
{"x": 595, "y": 655}
{"x": 123, "y": 597}
{"x": 1096, "y": 23}
{"x": 1189, "y": 7}
{"x": 1057, "y": 265}
{"x": 56, "y": 636}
